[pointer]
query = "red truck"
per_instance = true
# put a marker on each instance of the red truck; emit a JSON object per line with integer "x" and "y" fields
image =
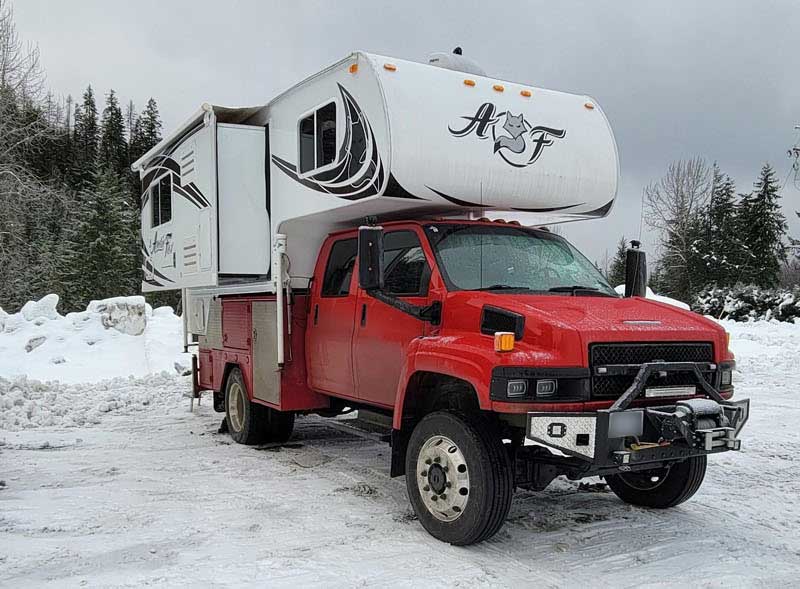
{"x": 472, "y": 349}
{"x": 500, "y": 355}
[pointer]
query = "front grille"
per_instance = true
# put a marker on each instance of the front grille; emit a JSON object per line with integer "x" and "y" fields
{"x": 639, "y": 353}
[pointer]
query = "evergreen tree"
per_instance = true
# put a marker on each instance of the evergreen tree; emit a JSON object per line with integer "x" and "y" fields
{"x": 723, "y": 250}
{"x": 145, "y": 134}
{"x": 85, "y": 139}
{"x": 99, "y": 252}
{"x": 113, "y": 149}
{"x": 762, "y": 226}
{"x": 616, "y": 273}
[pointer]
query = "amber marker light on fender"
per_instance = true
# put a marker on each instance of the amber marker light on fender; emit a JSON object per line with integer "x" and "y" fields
{"x": 503, "y": 341}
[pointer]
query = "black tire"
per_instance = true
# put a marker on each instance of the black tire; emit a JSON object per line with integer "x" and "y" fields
{"x": 280, "y": 425}
{"x": 246, "y": 422}
{"x": 675, "y": 484}
{"x": 485, "y": 460}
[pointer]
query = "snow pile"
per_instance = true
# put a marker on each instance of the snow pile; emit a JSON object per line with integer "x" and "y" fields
{"x": 654, "y": 297}
{"x": 113, "y": 338}
{"x": 749, "y": 303}
{"x": 26, "y": 404}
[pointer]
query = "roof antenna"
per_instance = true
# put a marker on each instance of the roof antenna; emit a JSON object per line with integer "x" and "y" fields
{"x": 457, "y": 50}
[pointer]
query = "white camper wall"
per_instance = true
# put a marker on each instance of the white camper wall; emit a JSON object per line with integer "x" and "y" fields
{"x": 245, "y": 242}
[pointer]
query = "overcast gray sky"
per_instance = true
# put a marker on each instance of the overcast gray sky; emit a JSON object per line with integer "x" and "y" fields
{"x": 680, "y": 78}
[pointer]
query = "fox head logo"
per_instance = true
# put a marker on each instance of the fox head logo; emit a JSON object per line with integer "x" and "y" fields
{"x": 523, "y": 143}
{"x": 515, "y": 127}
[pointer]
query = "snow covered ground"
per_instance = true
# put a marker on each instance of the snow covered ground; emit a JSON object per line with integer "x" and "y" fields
{"x": 127, "y": 488}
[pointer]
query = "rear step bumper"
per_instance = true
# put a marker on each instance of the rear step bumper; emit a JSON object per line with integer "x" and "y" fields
{"x": 624, "y": 439}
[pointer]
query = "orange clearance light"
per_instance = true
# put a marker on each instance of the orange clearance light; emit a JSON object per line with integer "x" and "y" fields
{"x": 503, "y": 341}
{"x": 390, "y": 67}
{"x": 353, "y": 68}
{"x": 498, "y": 88}
{"x": 588, "y": 105}
{"x": 525, "y": 93}
{"x": 469, "y": 82}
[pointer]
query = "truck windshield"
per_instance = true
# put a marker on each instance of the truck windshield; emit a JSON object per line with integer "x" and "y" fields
{"x": 512, "y": 258}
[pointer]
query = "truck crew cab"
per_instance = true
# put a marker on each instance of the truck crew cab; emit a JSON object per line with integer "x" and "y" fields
{"x": 335, "y": 251}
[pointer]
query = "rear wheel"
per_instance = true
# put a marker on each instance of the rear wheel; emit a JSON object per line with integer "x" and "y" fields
{"x": 663, "y": 487}
{"x": 459, "y": 477}
{"x": 251, "y": 423}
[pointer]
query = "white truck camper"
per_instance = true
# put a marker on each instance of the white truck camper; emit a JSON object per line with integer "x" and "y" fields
{"x": 369, "y": 136}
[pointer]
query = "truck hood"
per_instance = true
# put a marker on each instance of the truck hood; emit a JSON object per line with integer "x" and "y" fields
{"x": 550, "y": 320}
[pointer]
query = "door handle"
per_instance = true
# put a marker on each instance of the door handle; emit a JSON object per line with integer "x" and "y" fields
{"x": 364, "y": 315}
{"x": 316, "y": 314}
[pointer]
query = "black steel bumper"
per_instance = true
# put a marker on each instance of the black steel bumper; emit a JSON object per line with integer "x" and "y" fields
{"x": 622, "y": 438}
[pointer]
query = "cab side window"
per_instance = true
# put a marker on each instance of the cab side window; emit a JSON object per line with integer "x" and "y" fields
{"x": 339, "y": 269}
{"x": 406, "y": 270}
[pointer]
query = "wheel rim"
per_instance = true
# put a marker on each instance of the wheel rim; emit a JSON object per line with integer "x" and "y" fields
{"x": 647, "y": 480}
{"x": 236, "y": 406}
{"x": 443, "y": 478}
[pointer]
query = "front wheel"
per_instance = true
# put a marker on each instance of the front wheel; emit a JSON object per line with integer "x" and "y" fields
{"x": 459, "y": 477}
{"x": 660, "y": 488}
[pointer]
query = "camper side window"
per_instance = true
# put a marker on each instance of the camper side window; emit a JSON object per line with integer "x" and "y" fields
{"x": 317, "y": 138}
{"x": 339, "y": 270}
{"x": 161, "y": 199}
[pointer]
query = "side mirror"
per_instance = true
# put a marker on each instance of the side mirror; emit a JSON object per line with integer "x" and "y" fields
{"x": 370, "y": 258}
{"x": 635, "y": 271}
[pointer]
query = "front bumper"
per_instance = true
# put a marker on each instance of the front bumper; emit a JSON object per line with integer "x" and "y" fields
{"x": 620, "y": 438}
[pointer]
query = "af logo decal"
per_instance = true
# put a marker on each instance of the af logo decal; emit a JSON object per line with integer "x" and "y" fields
{"x": 520, "y": 146}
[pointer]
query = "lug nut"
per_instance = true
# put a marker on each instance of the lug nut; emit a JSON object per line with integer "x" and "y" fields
{"x": 426, "y": 488}
{"x": 434, "y": 498}
{"x": 446, "y": 469}
{"x": 437, "y": 460}
{"x": 443, "y": 496}
{"x": 424, "y": 473}
{"x": 428, "y": 461}
{"x": 448, "y": 484}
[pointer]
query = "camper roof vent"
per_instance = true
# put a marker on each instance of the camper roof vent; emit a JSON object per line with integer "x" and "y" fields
{"x": 456, "y": 61}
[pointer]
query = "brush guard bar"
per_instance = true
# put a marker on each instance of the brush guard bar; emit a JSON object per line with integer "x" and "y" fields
{"x": 622, "y": 438}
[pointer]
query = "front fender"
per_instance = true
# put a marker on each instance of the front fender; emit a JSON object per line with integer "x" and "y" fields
{"x": 466, "y": 357}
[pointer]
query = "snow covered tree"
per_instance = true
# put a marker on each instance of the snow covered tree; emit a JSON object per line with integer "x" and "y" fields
{"x": 85, "y": 139}
{"x": 99, "y": 257}
{"x": 762, "y": 226}
{"x": 616, "y": 273}
{"x": 721, "y": 247}
{"x": 113, "y": 149}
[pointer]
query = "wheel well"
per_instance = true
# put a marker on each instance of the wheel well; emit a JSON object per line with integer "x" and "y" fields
{"x": 226, "y": 372}
{"x": 433, "y": 391}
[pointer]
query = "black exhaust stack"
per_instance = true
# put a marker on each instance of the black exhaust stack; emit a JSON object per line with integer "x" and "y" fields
{"x": 635, "y": 271}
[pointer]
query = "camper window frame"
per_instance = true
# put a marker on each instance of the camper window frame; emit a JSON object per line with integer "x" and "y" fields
{"x": 157, "y": 205}
{"x": 300, "y": 119}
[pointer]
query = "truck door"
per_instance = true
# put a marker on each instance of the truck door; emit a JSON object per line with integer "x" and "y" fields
{"x": 329, "y": 335}
{"x": 382, "y": 332}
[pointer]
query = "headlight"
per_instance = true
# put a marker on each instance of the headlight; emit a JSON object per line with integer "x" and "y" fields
{"x": 726, "y": 378}
{"x": 517, "y": 388}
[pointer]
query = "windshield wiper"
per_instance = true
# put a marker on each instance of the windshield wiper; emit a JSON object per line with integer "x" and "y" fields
{"x": 502, "y": 287}
{"x": 592, "y": 291}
